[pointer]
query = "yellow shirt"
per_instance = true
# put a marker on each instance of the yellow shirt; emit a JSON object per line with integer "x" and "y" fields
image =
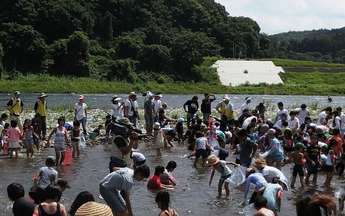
{"x": 41, "y": 108}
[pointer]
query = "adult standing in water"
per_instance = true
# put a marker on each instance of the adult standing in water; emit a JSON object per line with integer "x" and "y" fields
{"x": 41, "y": 109}
{"x": 227, "y": 112}
{"x": 206, "y": 106}
{"x": 80, "y": 112}
{"x": 131, "y": 108}
{"x": 192, "y": 108}
{"x": 15, "y": 106}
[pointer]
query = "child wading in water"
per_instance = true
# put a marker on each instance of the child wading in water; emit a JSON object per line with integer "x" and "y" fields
{"x": 163, "y": 202}
{"x": 220, "y": 166}
{"x": 13, "y": 136}
{"x": 28, "y": 135}
{"x": 60, "y": 140}
{"x": 330, "y": 163}
{"x": 158, "y": 138}
{"x": 200, "y": 148}
{"x": 75, "y": 133}
{"x": 297, "y": 157}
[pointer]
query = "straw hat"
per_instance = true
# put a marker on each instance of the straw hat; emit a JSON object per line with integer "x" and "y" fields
{"x": 260, "y": 163}
{"x": 212, "y": 160}
{"x": 93, "y": 209}
{"x": 125, "y": 121}
{"x": 42, "y": 95}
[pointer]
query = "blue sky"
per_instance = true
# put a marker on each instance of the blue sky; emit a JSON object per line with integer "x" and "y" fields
{"x": 276, "y": 16}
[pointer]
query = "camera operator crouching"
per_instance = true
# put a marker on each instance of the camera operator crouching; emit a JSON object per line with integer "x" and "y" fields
{"x": 125, "y": 137}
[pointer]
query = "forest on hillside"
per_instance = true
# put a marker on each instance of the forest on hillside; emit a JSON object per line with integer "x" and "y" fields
{"x": 122, "y": 40}
{"x": 316, "y": 45}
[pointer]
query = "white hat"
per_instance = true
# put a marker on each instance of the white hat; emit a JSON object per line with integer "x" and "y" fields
{"x": 156, "y": 126}
{"x": 158, "y": 95}
{"x": 225, "y": 97}
{"x": 149, "y": 94}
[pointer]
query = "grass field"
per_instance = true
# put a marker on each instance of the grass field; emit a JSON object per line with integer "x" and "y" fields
{"x": 306, "y": 83}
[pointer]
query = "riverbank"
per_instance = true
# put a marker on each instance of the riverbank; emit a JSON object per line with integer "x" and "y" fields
{"x": 295, "y": 83}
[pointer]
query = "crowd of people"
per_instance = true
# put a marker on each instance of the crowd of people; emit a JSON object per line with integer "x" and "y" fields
{"x": 262, "y": 147}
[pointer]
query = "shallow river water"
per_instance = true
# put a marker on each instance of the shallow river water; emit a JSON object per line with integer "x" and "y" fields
{"x": 192, "y": 196}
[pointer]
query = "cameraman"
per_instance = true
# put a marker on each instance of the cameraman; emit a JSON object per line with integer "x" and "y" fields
{"x": 125, "y": 138}
{"x": 131, "y": 109}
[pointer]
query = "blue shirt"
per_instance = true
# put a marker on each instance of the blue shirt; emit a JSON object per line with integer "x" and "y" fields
{"x": 257, "y": 179}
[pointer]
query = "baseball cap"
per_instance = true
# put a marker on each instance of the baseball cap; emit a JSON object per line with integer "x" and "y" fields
{"x": 63, "y": 183}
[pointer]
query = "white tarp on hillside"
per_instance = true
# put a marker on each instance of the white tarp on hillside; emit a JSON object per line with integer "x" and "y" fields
{"x": 232, "y": 72}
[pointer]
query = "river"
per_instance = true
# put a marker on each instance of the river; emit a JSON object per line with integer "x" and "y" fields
{"x": 102, "y": 101}
{"x": 193, "y": 195}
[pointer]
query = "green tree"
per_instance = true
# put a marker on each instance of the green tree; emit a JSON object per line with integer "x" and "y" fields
{"x": 78, "y": 54}
{"x": 130, "y": 44}
{"x": 24, "y": 47}
{"x": 189, "y": 49}
{"x": 155, "y": 58}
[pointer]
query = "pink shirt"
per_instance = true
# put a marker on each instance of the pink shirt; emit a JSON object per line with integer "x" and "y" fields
{"x": 13, "y": 134}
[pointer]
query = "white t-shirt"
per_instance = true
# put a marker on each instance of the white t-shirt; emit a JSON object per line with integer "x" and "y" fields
{"x": 129, "y": 104}
{"x": 81, "y": 110}
{"x": 247, "y": 121}
{"x": 302, "y": 114}
{"x": 138, "y": 156}
{"x": 244, "y": 106}
{"x": 280, "y": 112}
{"x": 270, "y": 172}
{"x": 121, "y": 179}
{"x": 322, "y": 117}
{"x": 117, "y": 110}
{"x": 158, "y": 105}
{"x": 342, "y": 117}
{"x": 293, "y": 123}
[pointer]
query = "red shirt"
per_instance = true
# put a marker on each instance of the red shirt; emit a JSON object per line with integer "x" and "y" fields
{"x": 154, "y": 182}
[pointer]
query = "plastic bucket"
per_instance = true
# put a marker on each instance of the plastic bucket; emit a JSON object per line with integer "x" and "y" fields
{"x": 68, "y": 157}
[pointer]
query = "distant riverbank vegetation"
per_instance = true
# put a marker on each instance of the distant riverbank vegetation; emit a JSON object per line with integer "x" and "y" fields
{"x": 104, "y": 46}
{"x": 315, "y": 83}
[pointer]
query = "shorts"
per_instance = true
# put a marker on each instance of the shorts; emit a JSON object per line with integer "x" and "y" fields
{"x": 171, "y": 132}
{"x": 201, "y": 152}
{"x": 113, "y": 198}
{"x": 312, "y": 169}
{"x": 275, "y": 158}
{"x": 141, "y": 162}
{"x": 13, "y": 145}
{"x": 298, "y": 169}
{"x": 29, "y": 142}
{"x": 328, "y": 168}
{"x": 226, "y": 178}
{"x": 75, "y": 143}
